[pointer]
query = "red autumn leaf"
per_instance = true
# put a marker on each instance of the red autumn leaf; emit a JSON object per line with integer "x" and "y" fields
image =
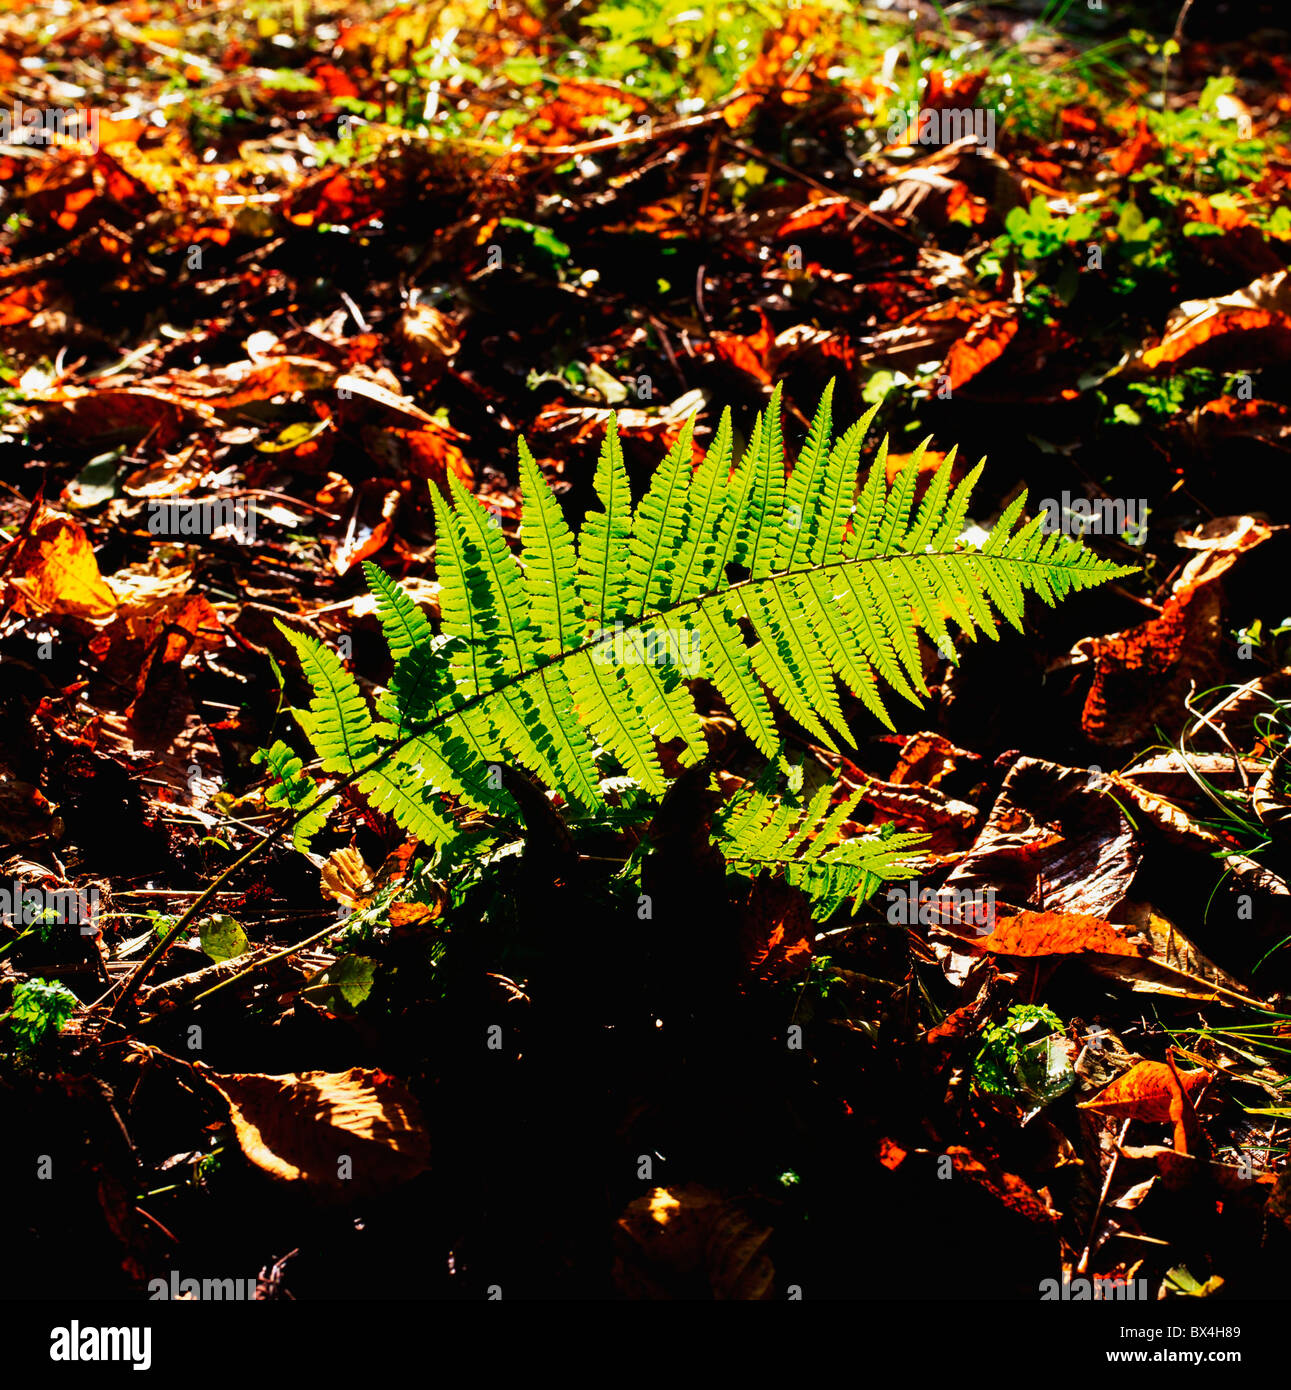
{"x": 992, "y": 329}
{"x": 749, "y": 353}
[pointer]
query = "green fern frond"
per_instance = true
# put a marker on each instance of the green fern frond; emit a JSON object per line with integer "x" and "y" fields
{"x": 758, "y": 832}
{"x": 779, "y": 587}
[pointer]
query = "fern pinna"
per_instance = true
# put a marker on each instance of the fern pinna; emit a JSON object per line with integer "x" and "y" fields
{"x": 765, "y": 582}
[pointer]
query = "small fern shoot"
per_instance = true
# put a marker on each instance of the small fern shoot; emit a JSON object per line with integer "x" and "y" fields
{"x": 758, "y": 832}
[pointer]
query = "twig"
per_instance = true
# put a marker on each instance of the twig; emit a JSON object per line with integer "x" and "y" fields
{"x": 1102, "y": 1198}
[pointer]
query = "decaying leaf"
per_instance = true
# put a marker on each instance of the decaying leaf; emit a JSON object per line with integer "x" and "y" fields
{"x": 337, "y": 1134}
{"x": 692, "y": 1242}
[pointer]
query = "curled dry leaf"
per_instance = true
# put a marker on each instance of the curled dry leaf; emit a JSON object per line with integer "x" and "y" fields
{"x": 345, "y": 878}
{"x": 339, "y": 1134}
{"x": 1262, "y": 308}
{"x": 928, "y": 759}
{"x": 1142, "y": 676}
{"x": 1055, "y": 840}
{"x": 691, "y": 1242}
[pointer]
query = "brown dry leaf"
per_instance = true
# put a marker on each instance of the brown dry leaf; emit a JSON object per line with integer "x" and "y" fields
{"x": 691, "y": 1242}
{"x": 157, "y": 620}
{"x": 948, "y": 821}
{"x": 25, "y": 814}
{"x": 363, "y": 541}
{"x": 1175, "y": 968}
{"x": 776, "y": 930}
{"x": 314, "y": 1127}
{"x": 1181, "y": 1172}
{"x": 1227, "y": 417}
{"x": 815, "y": 214}
{"x": 1054, "y": 840}
{"x": 240, "y": 383}
{"x": 377, "y": 393}
{"x": 1258, "y": 316}
{"x": 92, "y": 414}
{"x": 56, "y": 575}
{"x": 433, "y": 452}
{"x": 1146, "y": 1092}
{"x": 428, "y": 336}
{"x": 1269, "y": 894}
{"x": 927, "y": 759}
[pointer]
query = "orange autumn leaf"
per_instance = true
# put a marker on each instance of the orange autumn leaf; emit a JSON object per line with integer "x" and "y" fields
{"x": 788, "y": 50}
{"x": 1215, "y": 213}
{"x": 1137, "y": 151}
{"x": 891, "y": 1154}
{"x": 1146, "y": 1092}
{"x": 22, "y": 304}
{"x": 1056, "y": 934}
{"x": 1007, "y": 1188}
{"x": 928, "y": 465}
{"x": 1262, "y": 307}
{"x": 749, "y": 353}
{"x": 942, "y": 90}
{"x": 981, "y": 345}
{"x": 813, "y": 215}
{"x": 56, "y": 574}
{"x": 567, "y": 118}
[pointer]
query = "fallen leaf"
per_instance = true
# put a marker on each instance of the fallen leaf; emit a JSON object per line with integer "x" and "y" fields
{"x": 56, "y": 574}
{"x": 691, "y": 1242}
{"x": 1254, "y": 320}
{"x": 1056, "y": 934}
{"x": 1146, "y": 1092}
{"x": 339, "y": 1134}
